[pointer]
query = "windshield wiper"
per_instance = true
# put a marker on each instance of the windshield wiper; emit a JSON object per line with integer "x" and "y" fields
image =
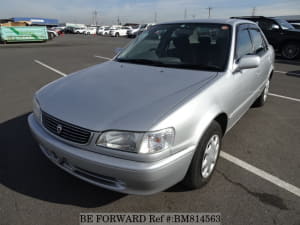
{"x": 142, "y": 61}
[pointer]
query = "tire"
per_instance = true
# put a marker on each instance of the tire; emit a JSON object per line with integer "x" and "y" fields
{"x": 290, "y": 50}
{"x": 117, "y": 35}
{"x": 210, "y": 142}
{"x": 50, "y": 36}
{"x": 261, "y": 100}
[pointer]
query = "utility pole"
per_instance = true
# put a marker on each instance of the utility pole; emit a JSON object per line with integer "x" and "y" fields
{"x": 253, "y": 11}
{"x": 95, "y": 13}
{"x": 118, "y": 21}
{"x": 155, "y": 17}
{"x": 209, "y": 10}
{"x": 185, "y": 13}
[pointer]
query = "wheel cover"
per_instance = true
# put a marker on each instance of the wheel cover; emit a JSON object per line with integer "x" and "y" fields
{"x": 210, "y": 156}
{"x": 291, "y": 51}
{"x": 266, "y": 90}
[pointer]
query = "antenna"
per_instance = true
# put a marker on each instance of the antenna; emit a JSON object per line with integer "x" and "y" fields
{"x": 155, "y": 17}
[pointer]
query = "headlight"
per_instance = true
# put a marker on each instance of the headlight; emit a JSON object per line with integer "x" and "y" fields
{"x": 126, "y": 141}
{"x": 37, "y": 110}
{"x": 149, "y": 142}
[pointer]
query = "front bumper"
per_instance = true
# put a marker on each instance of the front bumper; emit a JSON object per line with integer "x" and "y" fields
{"x": 113, "y": 173}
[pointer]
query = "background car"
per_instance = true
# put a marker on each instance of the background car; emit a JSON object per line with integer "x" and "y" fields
{"x": 69, "y": 30}
{"x": 58, "y": 30}
{"x": 80, "y": 30}
{"x": 281, "y": 34}
{"x": 148, "y": 26}
{"x": 90, "y": 30}
{"x": 105, "y": 31}
{"x": 51, "y": 34}
{"x": 135, "y": 29}
{"x": 119, "y": 31}
{"x": 100, "y": 30}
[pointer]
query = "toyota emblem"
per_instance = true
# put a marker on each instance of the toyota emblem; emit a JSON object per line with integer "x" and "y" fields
{"x": 59, "y": 129}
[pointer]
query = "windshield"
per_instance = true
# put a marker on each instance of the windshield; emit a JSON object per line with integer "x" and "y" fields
{"x": 284, "y": 24}
{"x": 201, "y": 46}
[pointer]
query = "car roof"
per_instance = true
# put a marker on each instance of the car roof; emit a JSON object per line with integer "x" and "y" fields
{"x": 230, "y": 21}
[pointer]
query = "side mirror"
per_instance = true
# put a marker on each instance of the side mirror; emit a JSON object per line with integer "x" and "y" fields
{"x": 118, "y": 50}
{"x": 275, "y": 27}
{"x": 247, "y": 62}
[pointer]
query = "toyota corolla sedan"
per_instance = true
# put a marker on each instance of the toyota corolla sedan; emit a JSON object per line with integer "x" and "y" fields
{"x": 155, "y": 115}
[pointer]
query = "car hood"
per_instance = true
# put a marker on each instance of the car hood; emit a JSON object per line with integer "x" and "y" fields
{"x": 122, "y": 96}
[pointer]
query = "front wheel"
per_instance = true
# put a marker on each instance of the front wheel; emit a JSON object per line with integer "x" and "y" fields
{"x": 117, "y": 35}
{"x": 291, "y": 50}
{"x": 205, "y": 158}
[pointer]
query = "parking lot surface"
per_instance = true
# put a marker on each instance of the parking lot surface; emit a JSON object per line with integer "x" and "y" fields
{"x": 34, "y": 191}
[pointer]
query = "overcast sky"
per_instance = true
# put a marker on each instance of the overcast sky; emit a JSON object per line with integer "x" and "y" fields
{"x": 139, "y": 11}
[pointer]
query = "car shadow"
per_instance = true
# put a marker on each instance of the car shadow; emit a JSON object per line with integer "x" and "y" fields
{"x": 180, "y": 187}
{"x": 24, "y": 169}
{"x": 281, "y": 60}
{"x": 295, "y": 73}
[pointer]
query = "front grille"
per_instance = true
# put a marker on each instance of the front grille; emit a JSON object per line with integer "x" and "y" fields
{"x": 66, "y": 130}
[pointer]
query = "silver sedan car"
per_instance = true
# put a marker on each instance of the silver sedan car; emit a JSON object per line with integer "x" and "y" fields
{"x": 155, "y": 115}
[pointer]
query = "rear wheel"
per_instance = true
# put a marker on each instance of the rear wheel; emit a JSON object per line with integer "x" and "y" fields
{"x": 291, "y": 50}
{"x": 205, "y": 158}
{"x": 117, "y": 35}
